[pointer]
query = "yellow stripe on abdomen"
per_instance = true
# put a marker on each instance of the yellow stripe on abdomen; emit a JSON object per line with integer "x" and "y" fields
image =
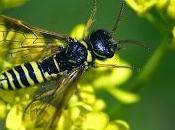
{"x": 31, "y": 82}
{"x": 37, "y": 71}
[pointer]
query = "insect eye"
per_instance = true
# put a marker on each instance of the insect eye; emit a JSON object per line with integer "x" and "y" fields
{"x": 101, "y": 44}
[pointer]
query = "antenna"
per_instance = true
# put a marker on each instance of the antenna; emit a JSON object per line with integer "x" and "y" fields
{"x": 91, "y": 19}
{"x": 117, "y": 46}
{"x": 118, "y": 17}
{"x": 133, "y": 42}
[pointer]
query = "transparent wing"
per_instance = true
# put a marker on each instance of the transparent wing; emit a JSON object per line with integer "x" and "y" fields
{"x": 47, "y": 106}
{"x": 21, "y": 42}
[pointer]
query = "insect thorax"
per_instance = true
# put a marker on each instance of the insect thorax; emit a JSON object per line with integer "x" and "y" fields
{"x": 73, "y": 56}
{"x": 99, "y": 46}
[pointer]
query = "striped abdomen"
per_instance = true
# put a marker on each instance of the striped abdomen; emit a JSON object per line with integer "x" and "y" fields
{"x": 29, "y": 74}
{"x": 73, "y": 56}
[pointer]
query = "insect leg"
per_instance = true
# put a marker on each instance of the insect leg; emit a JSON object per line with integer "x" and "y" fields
{"x": 117, "y": 66}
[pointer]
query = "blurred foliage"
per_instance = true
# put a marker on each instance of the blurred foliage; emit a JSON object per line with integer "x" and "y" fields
{"x": 4, "y": 4}
{"x": 84, "y": 107}
{"x": 161, "y": 14}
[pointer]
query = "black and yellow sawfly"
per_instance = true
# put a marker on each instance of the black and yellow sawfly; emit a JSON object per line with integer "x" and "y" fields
{"x": 40, "y": 56}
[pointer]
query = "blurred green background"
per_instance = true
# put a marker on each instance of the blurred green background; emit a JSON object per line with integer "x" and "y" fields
{"x": 155, "y": 110}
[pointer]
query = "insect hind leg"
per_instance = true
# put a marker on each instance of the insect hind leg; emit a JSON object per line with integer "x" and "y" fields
{"x": 133, "y": 68}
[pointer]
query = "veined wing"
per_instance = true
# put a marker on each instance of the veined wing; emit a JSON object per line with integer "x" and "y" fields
{"x": 46, "y": 108}
{"x": 21, "y": 42}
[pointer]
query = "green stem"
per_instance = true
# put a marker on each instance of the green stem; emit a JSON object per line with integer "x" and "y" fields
{"x": 151, "y": 65}
{"x": 149, "y": 68}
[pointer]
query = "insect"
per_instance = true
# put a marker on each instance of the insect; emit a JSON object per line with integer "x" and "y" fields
{"x": 40, "y": 56}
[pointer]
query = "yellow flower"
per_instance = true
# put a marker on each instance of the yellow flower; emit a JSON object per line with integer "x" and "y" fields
{"x": 84, "y": 110}
{"x": 141, "y": 6}
{"x": 11, "y": 3}
{"x": 171, "y": 9}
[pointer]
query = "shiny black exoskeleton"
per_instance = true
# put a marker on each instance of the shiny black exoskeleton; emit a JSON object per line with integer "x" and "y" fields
{"x": 73, "y": 56}
{"x": 101, "y": 45}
